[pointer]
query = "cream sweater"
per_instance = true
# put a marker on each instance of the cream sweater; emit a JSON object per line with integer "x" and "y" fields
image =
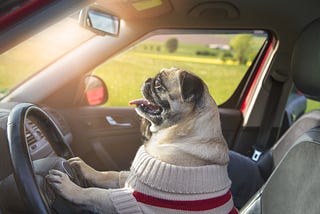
{"x": 157, "y": 187}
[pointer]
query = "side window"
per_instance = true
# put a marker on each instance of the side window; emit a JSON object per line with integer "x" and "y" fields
{"x": 312, "y": 105}
{"x": 221, "y": 59}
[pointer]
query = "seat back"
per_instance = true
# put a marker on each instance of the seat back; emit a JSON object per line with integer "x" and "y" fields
{"x": 303, "y": 124}
{"x": 294, "y": 185}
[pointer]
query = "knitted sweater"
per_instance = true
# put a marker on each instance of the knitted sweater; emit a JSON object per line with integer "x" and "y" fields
{"x": 157, "y": 187}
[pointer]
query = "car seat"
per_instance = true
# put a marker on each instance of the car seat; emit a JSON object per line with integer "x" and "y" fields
{"x": 245, "y": 185}
{"x": 295, "y": 108}
{"x": 294, "y": 185}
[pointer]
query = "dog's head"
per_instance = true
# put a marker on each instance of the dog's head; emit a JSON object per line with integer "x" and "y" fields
{"x": 177, "y": 109}
{"x": 171, "y": 95}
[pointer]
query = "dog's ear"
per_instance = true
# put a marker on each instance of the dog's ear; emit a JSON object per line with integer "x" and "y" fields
{"x": 191, "y": 87}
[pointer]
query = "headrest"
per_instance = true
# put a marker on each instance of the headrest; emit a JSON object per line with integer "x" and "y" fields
{"x": 305, "y": 62}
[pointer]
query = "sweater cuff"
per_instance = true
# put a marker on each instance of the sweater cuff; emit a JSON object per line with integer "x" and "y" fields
{"x": 124, "y": 201}
{"x": 123, "y": 175}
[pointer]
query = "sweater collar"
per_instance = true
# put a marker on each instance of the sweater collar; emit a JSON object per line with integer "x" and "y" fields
{"x": 179, "y": 179}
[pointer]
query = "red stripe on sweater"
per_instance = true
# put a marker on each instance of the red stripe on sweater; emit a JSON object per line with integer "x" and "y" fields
{"x": 196, "y": 205}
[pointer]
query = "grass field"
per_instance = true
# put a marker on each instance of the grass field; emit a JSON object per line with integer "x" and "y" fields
{"x": 311, "y": 105}
{"x": 125, "y": 74}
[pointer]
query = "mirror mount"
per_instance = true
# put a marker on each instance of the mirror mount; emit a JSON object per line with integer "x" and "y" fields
{"x": 99, "y": 21}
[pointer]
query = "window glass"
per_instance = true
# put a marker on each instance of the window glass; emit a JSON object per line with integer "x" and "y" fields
{"x": 220, "y": 59}
{"x": 39, "y": 51}
{"x": 312, "y": 105}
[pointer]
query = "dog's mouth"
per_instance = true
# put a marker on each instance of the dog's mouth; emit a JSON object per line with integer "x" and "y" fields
{"x": 146, "y": 106}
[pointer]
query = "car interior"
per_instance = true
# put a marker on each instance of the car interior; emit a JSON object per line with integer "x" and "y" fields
{"x": 63, "y": 109}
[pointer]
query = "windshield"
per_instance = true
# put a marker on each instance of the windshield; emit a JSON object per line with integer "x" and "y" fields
{"x": 39, "y": 51}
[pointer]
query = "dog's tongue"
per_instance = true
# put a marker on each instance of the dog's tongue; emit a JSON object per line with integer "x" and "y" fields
{"x": 138, "y": 102}
{"x": 144, "y": 102}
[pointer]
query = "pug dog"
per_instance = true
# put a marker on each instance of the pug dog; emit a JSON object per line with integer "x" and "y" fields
{"x": 182, "y": 165}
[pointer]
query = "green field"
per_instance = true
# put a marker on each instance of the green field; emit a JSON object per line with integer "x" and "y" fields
{"x": 125, "y": 74}
{"x": 311, "y": 105}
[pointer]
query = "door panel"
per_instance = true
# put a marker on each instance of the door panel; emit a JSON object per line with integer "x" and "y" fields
{"x": 105, "y": 138}
{"x": 108, "y": 138}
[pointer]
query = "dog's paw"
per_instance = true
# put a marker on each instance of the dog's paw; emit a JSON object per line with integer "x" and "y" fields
{"x": 63, "y": 186}
{"x": 88, "y": 172}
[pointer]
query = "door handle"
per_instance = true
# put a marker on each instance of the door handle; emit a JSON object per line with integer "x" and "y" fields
{"x": 112, "y": 122}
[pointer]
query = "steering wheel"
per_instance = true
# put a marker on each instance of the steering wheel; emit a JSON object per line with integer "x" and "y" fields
{"x": 23, "y": 168}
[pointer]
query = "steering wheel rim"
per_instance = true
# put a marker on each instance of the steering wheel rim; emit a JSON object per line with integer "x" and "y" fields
{"x": 21, "y": 161}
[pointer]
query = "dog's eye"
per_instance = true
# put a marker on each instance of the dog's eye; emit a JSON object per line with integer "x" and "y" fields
{"x": 157, "y": 84}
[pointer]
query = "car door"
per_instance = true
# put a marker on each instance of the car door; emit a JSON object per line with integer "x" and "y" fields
{"x": 106, "y": 138}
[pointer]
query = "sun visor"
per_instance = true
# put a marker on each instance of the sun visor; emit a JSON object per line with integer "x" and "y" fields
{"x": 136, "y": 9}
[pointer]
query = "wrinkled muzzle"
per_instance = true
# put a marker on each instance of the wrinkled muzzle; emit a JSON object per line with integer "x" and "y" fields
{"x": 150, "y": 106}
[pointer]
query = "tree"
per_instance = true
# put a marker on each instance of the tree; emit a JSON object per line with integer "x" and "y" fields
{"x": 240, "y": 45}
{"x": 172, "y": 45}
{"x": 226, "y": 55}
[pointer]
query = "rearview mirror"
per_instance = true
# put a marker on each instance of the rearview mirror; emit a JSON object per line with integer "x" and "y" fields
{"x": 99, "y": 21}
